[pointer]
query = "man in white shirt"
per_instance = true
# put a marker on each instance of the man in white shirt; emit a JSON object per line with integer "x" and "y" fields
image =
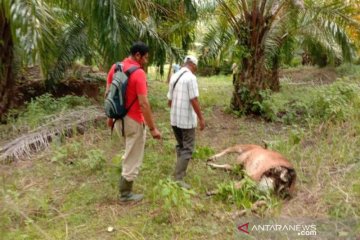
{"x": 185, "y": 109}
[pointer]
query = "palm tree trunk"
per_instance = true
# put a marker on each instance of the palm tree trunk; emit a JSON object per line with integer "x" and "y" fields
{"x": 274, "y": 81}
{"x": 7, "y": 81}
{"x": 249, "y": 82}
{"x": 254, "y": 76}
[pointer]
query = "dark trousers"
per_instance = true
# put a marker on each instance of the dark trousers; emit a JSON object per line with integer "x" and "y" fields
{"x": 185, "y": 146}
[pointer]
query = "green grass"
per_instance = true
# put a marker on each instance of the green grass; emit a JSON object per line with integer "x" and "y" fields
{"x": 334, "y": 102}
{"x": 36, "y": 110}
{"x": 70, "y": 191}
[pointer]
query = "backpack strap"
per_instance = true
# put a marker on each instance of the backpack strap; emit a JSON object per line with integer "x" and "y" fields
{"x": 112, "y": 127}
{"x": 122, "y": 127}
{"x": 177, "y": 81}
{"x": 131, "y": 70}
{"x": 128, "y": 73}
{"x": 118, "y": 67}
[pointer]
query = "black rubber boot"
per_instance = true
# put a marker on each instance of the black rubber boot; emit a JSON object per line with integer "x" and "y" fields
{"x": 125, "y": 191}
{"x": 180, "y": 172}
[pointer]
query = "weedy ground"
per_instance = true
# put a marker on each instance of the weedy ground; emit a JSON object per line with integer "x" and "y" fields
{"x": 70, "y": 190}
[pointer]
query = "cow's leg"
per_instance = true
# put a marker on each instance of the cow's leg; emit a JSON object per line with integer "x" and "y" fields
{"x": 233, "y": 149}
{"x": 220, "y": 166}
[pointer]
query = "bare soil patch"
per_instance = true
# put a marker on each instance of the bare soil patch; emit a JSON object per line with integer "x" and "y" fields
{"x": 224, "y": 129}
{"x": 309, "y": 75}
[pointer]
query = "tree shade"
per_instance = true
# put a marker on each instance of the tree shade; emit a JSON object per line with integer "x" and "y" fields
{"x": 55, "y": 33}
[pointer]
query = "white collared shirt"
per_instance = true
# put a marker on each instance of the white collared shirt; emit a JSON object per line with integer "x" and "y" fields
{"x": 182, "y": 114}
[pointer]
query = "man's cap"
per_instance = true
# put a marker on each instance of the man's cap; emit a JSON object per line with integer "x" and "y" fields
{"x": 190, "y": 58}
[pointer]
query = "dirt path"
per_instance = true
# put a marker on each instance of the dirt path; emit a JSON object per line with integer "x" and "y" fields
{"x": 224, "y": 129}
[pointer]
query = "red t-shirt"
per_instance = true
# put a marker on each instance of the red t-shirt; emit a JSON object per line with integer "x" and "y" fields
{"x": 136, "y": 86}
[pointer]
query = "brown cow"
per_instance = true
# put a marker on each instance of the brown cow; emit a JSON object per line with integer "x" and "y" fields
{"x": 270, "y": 169}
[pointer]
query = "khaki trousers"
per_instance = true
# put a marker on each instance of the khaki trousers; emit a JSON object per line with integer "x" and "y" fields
{"x": 135, "y": 135}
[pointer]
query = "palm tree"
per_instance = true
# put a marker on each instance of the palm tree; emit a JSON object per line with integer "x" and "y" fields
{"x": 178, "y": 30}
{"x": 259, "y": 30}
{"x": 24, "y": 26}
{"x": 104, "y": 30}
{"x": 6, "y": 60}
{"x": 54, "y": 33}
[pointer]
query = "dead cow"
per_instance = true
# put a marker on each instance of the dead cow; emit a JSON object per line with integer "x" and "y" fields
{"x": 270, "y": 169}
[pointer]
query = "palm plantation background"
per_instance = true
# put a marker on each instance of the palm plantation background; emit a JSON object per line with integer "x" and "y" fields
{"x": 54, "y": 34}
{"x": 258, "y": 36}
{"x": 295, "y": 87}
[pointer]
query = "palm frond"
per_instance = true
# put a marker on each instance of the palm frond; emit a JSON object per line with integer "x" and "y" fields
{"x": 322, "y": 25}
{"x": 148, "y": 33}
{"x": 327, "y": 25}
{"x": 55, "y": 126}
{"x": 33, "y": 27}
{"x": 72, "y": 44}
{"x": 215, "y": 41}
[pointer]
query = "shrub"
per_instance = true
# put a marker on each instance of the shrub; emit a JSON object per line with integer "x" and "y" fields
{"x": 94, "y": 160}
{"x": 203, "y": 153}
{"x": 348, "y": 69}
{"x": 67, "y": 154}
{"x": 37, "y": 109}
{"x": 245, "y": 195}
{"x": 335, "y": 102}
{"x": 175, "y": 199}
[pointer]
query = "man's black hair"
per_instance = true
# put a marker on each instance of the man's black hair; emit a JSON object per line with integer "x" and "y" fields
{"x": 139, "y": 47}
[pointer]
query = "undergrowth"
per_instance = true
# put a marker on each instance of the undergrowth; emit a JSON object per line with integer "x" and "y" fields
{"x": 334, "y": 102}
{"x": 37, "y": 109}
{"x": 71, "y": 190}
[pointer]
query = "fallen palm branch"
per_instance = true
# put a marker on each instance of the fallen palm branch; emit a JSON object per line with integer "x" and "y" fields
{"x": 54, "y": 127}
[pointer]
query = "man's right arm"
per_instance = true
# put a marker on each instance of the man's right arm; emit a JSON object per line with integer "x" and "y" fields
{"x": 141, "y": 92}
{"x": 149, "y": 120}
{"x": 196, "y": 105}
{"x": 193, "y": 95}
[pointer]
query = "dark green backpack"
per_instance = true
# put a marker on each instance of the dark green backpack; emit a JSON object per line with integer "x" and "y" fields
{"x": 115, "y": 101}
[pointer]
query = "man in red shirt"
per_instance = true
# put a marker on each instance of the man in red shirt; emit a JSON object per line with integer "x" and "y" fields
{"x": 138, "y": 115}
